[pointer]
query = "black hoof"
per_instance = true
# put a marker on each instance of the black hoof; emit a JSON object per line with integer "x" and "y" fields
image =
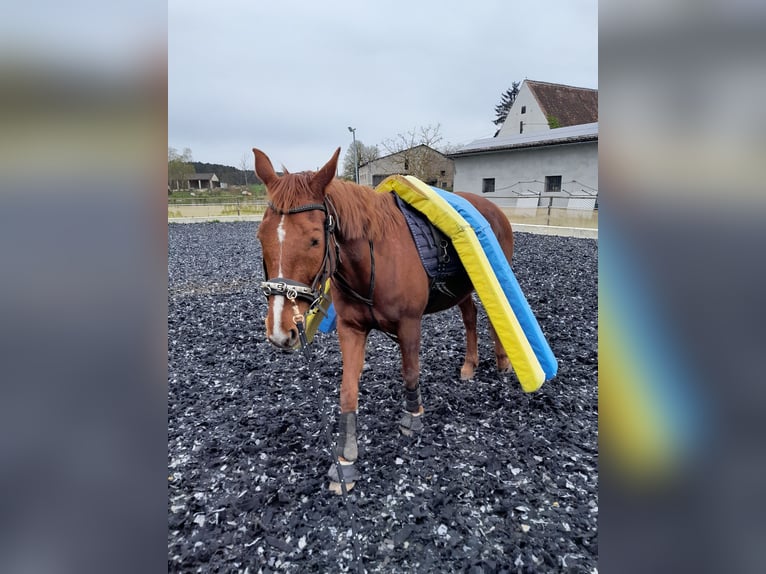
{"x": 410, "y": 424}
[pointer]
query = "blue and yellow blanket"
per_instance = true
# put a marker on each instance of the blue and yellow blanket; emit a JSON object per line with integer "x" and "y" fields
{"x": 492, "y": 277}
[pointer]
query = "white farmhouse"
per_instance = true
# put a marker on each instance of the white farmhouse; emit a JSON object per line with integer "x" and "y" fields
{"x": 544, "y": 155}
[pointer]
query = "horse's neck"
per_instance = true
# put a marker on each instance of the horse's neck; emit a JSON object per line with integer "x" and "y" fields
{"x": 351, "y": 207}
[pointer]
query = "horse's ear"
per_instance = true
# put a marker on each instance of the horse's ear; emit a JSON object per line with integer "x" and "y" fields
{"x": 325, "y": 175}
{"x": 263, "y": 168}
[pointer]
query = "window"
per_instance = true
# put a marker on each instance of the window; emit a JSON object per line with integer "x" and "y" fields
{"x": 523, "y": 109}
{"x": 442, "y": 173}
{"x": 488, "y": 185}
{"x": 552, "y": 183}
{"x": 521, "y": 127}
{"x": 406, "y": 164}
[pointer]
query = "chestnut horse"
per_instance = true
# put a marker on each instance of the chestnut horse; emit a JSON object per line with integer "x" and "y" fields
{"x": 319, "y": 227}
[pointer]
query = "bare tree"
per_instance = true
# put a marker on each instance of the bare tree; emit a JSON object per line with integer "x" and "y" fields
{"x": 449, "y": 148}
{"x": 415, "y": 149}
{"x": 425, "y": 135}
{"x": 243, "y": 164}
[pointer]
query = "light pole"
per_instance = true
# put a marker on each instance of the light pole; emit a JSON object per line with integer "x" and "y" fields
{"x": 356, "y": 162}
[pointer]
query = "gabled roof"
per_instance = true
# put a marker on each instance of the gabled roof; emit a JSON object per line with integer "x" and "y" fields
{"x": 568, "y": 104}
{"x": 558, "y": 136}
{"x": 409, "y": 149}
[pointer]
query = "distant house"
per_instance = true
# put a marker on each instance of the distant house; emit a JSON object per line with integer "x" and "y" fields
{"x": 422, "y": 161}
{"x": 532, "y": 164}
{"x": 203, "y": 181}
{"x": 542, "y": 106}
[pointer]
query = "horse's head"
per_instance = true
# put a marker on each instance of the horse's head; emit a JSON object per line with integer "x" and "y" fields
{"x": 294, "y": 236}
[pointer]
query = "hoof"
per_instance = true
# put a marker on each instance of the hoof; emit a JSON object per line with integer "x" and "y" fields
{"x": 467, "y": 372}
{"x": 504, "y": 365}
{"x": 350, "y": 476}
{"x": 411, "y": 423}
{"x": 336, "y": 488}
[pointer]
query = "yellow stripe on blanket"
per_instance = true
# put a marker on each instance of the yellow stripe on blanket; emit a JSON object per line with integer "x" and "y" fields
{"x": 315, "y": 316}
{"x": 472, "y": 256}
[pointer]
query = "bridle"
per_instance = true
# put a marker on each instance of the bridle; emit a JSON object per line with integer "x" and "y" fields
{"x": 293, "y": 290}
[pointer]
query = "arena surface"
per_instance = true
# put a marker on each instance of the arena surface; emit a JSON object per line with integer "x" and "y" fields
{"x": 499, "y": 481}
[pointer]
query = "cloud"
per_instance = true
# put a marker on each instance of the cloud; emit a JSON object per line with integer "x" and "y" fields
{"x": 292, "y": 76}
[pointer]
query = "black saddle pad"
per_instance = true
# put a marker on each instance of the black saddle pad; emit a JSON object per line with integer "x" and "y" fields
{"x": 436, "y": 251}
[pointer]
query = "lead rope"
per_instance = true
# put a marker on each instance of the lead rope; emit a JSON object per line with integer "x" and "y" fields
{"x": 298, "y": 320}
{"x": 350, "y": 509}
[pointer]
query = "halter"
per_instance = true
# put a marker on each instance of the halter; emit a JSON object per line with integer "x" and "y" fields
{"x": 292, "y": 289}
{"x": 295, "y": 289}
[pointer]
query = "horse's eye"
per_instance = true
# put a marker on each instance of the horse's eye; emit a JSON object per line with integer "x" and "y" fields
{"x": 314, "y": 242}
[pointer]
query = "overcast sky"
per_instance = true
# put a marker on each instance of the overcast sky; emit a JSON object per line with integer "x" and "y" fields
{"x": 290, "y": 76}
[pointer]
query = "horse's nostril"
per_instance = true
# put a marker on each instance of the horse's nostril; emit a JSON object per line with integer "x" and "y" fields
{"x": 293, "y": 337}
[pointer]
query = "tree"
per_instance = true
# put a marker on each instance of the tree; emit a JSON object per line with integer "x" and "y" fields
{"x": 243, "y": 164}
{"x": 179, "y": 166}
{"x": 413, "y": 148}
{"x": 365, "y": 154}
{"x": 506, "y": 101}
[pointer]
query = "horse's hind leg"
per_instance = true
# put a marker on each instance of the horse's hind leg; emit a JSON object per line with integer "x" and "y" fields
{"x": 411, "y": 421}
{"x": 501, "y": 357}
{"x": 468, "y": 310}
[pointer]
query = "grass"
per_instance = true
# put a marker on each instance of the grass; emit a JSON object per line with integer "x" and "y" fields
{"x": 213, "y": 210}
{"x": 242, "y": 209}
{"x": 218, "y": 195}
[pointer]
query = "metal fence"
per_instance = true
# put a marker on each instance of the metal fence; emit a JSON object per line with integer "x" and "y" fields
{"x": 205, "y": 208}
{"x": 575, "y": 204}
{"x": 571, "y": 215}
{"x": 528, "y": 206}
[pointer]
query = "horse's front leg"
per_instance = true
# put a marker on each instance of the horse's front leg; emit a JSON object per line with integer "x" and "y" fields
{"x": 411, "y": 421}
{"x": 352, "y": 346}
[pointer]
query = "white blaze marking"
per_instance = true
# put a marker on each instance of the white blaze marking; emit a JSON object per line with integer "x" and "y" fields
{"x": 278, "y": 335}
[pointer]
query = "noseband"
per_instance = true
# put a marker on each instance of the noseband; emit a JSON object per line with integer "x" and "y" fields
{"x": 295, "y": 289}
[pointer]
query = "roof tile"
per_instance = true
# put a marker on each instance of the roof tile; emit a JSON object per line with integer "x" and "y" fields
{"x": 568, "y": 104}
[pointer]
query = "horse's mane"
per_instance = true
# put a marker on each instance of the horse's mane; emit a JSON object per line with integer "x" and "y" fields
{"x": 361, "y": 211}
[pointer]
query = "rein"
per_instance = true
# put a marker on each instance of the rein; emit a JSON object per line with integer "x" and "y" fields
{"x": 293, "y": 290}
{"x": 350, "y": 508}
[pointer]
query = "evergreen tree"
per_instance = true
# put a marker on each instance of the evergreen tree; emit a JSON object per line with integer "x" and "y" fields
{"x": 506, "y": 101}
